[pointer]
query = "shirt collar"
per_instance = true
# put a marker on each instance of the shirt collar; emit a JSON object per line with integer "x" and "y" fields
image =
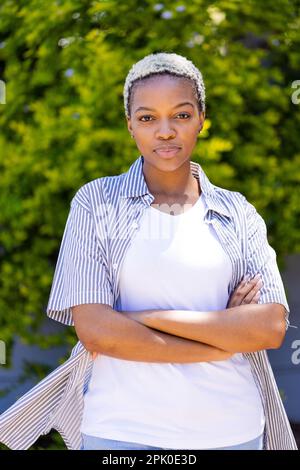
{"x": 134, "y": 185}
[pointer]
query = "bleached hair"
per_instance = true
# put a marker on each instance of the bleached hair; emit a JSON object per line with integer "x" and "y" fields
{"x": 164, "y": 62}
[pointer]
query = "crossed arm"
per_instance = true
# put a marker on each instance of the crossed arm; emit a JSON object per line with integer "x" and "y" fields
{"x": 244, "y": 328}
{"x": 179, "y": 336}
{"x": 183, "y": 335}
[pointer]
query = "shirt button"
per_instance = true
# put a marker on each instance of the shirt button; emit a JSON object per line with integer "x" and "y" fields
{"x": 115, "y": 265}
{"x": 134, "y": 225}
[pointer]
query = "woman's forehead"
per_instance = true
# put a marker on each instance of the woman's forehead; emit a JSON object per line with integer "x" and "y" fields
{"x": 165, "y": 80}
{"x": 173, "y": 87}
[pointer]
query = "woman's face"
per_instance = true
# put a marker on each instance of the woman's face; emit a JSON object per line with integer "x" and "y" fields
{"x": 164, "y": 120}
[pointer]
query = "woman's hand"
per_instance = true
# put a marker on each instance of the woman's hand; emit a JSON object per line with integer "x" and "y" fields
{"x": 246, "y": 292}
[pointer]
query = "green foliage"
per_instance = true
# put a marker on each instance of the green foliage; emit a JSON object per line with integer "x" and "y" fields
{"x": 64, "y": 63}
{"x": 51, "y": 441}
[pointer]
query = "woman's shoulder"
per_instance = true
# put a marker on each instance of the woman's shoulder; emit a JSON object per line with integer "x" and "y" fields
{"x": 98, "y": 191}
{"x": 232, "y": 200}
{"x": 243, "y": 212}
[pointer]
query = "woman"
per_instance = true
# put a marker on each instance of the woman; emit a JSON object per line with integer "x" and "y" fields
{"x": 152, "y": 272}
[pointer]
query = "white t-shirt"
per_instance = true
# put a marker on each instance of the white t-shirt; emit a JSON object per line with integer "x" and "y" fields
{"x": 174, "y": 262}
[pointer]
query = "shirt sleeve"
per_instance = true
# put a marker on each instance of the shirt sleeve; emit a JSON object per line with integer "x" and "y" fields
{"x": 262, "y": 260}
{"x": 80, "y": 275}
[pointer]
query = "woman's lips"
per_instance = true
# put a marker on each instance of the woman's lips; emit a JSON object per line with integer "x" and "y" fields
{"x": 167, "y": 153}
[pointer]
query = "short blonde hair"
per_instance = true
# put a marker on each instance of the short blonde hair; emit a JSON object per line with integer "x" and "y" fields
{"x": 160, "y": 63}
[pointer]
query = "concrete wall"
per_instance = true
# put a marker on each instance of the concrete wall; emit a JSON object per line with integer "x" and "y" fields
{"x": 286, "y": 360}
{"x": 21, "y": 353}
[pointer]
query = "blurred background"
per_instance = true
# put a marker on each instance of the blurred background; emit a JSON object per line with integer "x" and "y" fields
{"x": 63, "y": 65}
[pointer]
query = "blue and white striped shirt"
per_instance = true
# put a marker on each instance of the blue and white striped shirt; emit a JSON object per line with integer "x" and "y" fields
{"x": 103, "y": 217}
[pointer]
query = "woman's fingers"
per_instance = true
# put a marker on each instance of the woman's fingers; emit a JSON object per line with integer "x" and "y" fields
{"x": 246, "y": 292}
{"x": 246, "y": 286}
{"x": 250, "y": 282}
{"x": 252, "y": 293}
{"x": 255, "y": 298}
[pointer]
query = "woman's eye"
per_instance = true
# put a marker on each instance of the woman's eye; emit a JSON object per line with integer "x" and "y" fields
{"x": 148, "y": 116}
{"x": 144, "y": 117}
{"x": 186, "y": 114}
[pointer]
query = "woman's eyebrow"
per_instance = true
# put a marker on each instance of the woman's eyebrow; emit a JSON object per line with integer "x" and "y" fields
{"x": 176, "y": 106}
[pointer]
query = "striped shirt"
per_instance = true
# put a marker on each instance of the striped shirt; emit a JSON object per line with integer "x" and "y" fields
{"x": 104, "y": 216}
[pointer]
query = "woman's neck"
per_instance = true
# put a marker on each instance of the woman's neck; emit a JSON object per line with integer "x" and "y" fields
{"x": 175, "y": 185}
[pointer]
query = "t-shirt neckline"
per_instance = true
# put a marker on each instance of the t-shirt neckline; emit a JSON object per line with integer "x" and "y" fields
{"x": 182, "y": 214}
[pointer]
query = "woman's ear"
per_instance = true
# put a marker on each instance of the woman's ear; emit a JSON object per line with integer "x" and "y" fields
{"x": 129, "y": 125}
{"x": 201, "y": 119}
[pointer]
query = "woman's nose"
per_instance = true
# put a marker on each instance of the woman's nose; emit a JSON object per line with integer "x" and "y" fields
{"x": 165, "y": 130}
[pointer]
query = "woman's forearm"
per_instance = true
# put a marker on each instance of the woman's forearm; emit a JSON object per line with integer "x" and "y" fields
{"x": 244, "y": 328}
{"x": 107, "y": 331}
{"x": 162, "y": 347}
